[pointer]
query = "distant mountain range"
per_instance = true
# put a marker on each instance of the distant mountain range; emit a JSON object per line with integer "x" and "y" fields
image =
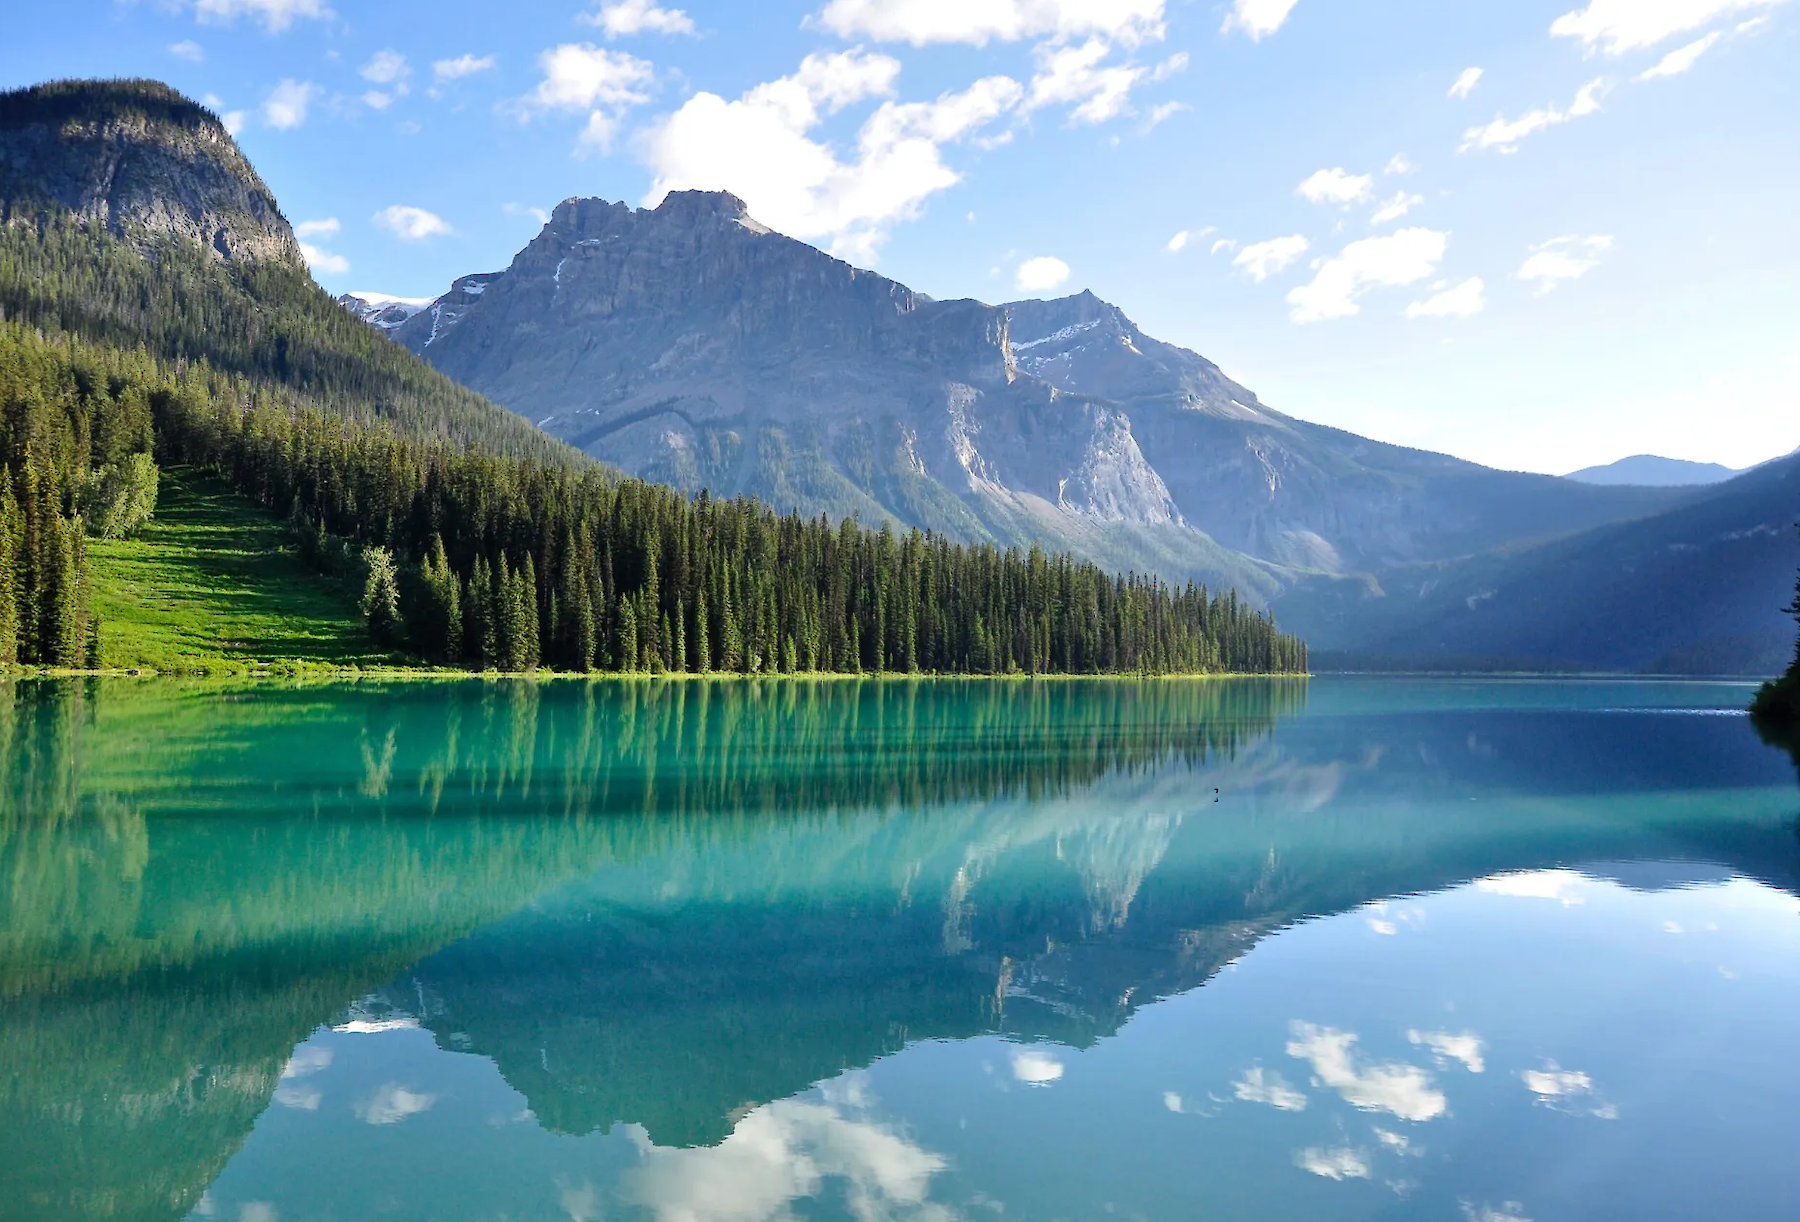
{"x": 1651, "y": 471}
{"x": 691, "y": 345}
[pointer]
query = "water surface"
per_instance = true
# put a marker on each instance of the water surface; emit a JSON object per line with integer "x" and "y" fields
{"x": 767, "y": 950}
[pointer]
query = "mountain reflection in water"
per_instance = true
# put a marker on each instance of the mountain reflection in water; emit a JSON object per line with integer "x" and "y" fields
{"x": 677, "y": 906}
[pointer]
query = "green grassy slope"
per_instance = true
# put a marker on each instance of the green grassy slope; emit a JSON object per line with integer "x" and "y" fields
{"x": 212, "y": 582}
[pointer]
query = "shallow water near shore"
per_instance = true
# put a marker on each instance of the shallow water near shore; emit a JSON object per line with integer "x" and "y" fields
{"x": 1348, "y": 948}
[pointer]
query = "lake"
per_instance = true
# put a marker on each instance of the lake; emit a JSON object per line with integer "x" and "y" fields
{"x": 1347, "y": 949}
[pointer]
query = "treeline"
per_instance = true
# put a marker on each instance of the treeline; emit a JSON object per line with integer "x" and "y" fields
{"x": 1778, "y": 702}
{"x": 263, "y": 320}
{"x": 486, "y": 561}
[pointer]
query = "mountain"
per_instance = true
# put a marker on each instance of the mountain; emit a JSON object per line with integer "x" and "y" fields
{"x": 690, "y": 344}
{"x": 1650, "y": 471}
{"x": 141, "y": 160}
{"x": 1699, "y": 589}
{"x": 382, "y": 311}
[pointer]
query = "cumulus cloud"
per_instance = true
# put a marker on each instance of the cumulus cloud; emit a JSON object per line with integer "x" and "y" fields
{"x": 1549, "y": 264}
{"x": 411, "y": 224}
{"x": 233, "y": 120}
{"x": 1399, "y": 163}
{"x": 189, "y": 50}
{"x": 446, "y": 70}
{"x": 1504, "y": 135}
{"x": 920, "y": 22}
{"x": 540, "y": 215}
{"x": 308, "y": 1059}
{"x": 780, "y": 1154}
{"x": 392, "y": 1103}
{"x": 1181, "y": 240}
{"x": 580, "y": 76}
{"x": 1681, "y": 59}
{"x": 1225, "y": 244}
{"x": 1395, "y": 207}
{"x": 1448, "y": 1046}
{"x": 1260, "y": 260}
{"x": 1041, "y": 275}
{"x": 1078, "y": 76}
{"x": 1035, "y": 1068}
{"x": 1404, "y": 257}
{"x": 1567, "y": 1090}
{"x": 1466, "y": 82}
{"x": 1464, "y": 300}
{"x": 1338, "y": 1163}
{"x": 1395, "y": 1087}
{"x": 1260, "y": 1086}
{"x": 276, "y": 15}
{"x": 624, "y": 18}
{"x": 286, "y": 106}
{"x": 1337, "y": 186}
{"x": 1257, "y": 18}
{"x": 389, "y": 70}
{"x": 760, "y": 147}
{"x": 1559, "y": 885}
{"x": 1618, "y": 26}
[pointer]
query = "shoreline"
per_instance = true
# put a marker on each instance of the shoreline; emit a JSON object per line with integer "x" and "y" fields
{"x": 425, "y": 675}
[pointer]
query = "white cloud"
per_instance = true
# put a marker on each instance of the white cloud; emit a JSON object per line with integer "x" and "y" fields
{"x": 1386, "y": 929}
{"x": 1042, "y": 274}
{"x": 1449, "y": 1046}
{"x": 300, "y": 1098}
{"x": 392, "y": 1103}
{"x": 387, "y": 67}
{"x": 759, "y": 147}
{"x": 233, "y": 120}
{"x": 1567, "y": 1090}
{"x": 326, "y": 228}
{"x": 1511, "y": 1211}
{"x": 276, "y": 15}
{"x": 1395, "y": 1087}
{"x": 624, "y": 18}
{"x": 306, "y": 1060}
{"x": 1337, "y": 186}
{"x": 1566, "y": 258}
{"x": 540, "y": 215}
{"x": 1260, "y": 260}
{"x": 1226, "y": 244}
{"x": 1178, "y": 243}
{"x": 323, "y": 261}
{"x": 1399, "y": 163}
{"x": 1258, "y": 1086}
{"x": 1681, "y": 58}
{"x": 1257, "y": 18}
{"x": 257, "y": 1211}
{"x": 446, "y": 70}
{"x": 1078, "y": 76}
{"x": 1464, "y": 300}
{"x": 285, "y": 107}
{"x": 189, "y": 50}
{"x": 1036, "y": 1068}
{"x": 1505, "y": 134}
{"x": 1401, "y": 258}
{"x": 411, "y": 224}
{"x": 1339, "y": 1163}
{"x": 1618, "y": 26}
{"x": 778, "y": 1155}
{"x": 1162, "y": 112}
{"x": 580, "y": 76}
{"x": 1466, "y": 82}
{"x": 978, "y": 21}
{"x": 1395, "y": 207}
{"x": 375, "y": 99}
{"x": 1559, "y": 885}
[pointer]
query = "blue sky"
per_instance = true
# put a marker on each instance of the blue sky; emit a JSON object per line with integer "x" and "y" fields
{"x": 1534, "y": 233}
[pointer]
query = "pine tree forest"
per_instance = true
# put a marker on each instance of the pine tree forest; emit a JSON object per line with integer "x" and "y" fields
{"x": 515, "y": 563}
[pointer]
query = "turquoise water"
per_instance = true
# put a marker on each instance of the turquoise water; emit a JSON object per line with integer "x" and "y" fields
{"x": 1350, "y": 949}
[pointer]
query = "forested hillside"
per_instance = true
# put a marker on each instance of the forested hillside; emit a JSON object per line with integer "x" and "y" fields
{"x": 478, "y": 540}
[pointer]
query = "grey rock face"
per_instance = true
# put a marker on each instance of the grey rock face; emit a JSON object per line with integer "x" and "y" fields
{"x": 140, "y": 159}
{"x": 382, "y": 312}
{"x": 691, "y": 345}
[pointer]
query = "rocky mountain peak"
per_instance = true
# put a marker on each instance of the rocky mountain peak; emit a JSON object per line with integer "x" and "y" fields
{"x": 141, "y": 159}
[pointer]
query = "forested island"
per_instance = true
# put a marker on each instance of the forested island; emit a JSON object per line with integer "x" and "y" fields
{"x": 1777, "y": 704}
{"x": 140, "y": 338}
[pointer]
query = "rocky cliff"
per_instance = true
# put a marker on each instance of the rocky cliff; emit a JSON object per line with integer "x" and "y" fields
{"x": 690, "y": 344}
{"x": 140, "y": 159}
